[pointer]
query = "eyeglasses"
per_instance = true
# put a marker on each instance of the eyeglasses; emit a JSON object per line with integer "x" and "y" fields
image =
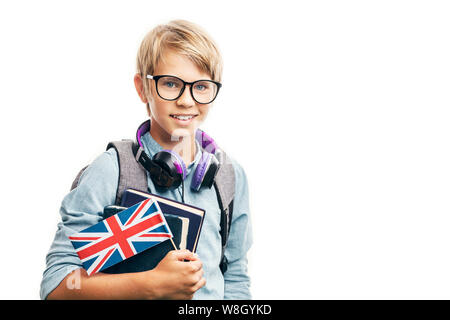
{"x": 171, "y": 88}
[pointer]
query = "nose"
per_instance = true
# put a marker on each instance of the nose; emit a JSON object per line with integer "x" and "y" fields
{"x": 186, "y": 100}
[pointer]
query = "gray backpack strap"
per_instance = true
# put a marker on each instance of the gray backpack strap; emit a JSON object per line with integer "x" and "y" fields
{"x": 224, "y": 183}
{"x": 77, "y": 179}
{"x": 225, "y": 179}
{"x": 131, "y": 173}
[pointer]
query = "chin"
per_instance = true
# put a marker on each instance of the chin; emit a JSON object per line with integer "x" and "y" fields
{"x": 182, "y": 131}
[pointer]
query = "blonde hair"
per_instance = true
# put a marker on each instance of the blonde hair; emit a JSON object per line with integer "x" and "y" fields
{"x": 185, "y": 38}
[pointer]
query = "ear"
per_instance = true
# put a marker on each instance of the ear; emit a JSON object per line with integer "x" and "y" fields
{"x": 138, "y": 83}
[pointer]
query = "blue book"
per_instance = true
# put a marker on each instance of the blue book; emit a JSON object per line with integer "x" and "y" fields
{"x": 168, "y": 206}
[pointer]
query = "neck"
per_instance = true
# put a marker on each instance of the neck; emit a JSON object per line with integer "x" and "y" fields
{"x": 183, "y": 144}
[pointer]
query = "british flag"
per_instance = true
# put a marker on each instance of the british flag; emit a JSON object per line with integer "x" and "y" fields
{"x": 121, "y": 236}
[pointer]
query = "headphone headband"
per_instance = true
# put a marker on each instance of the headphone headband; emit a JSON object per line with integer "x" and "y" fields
{"x": 143, "y": 128}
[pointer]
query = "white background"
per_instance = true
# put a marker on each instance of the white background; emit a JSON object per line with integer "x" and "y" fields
{"x": 337, "y": 110}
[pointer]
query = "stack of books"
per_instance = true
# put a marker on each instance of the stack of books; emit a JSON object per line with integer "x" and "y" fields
{"x": 184, "y": 221}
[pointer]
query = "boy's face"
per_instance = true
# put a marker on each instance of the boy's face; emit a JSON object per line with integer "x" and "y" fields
{"x": 163, "y": 112}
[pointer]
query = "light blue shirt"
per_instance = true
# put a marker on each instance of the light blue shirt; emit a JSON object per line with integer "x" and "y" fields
{"x": 97, "y": 187}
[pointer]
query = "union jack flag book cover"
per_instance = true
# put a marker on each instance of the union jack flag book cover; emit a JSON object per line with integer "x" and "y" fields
{"x": 121, "y": 236}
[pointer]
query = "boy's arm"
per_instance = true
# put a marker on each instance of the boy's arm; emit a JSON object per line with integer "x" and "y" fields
{"x": 173, "y": 278}
{"x": 237, "y": 280}
{"x": 81, "y": 208}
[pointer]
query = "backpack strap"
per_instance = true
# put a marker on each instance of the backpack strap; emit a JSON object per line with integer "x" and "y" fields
{"x": 131, "y": 173}
{"x": 77, "y": 178}
{"x": 224, "y": 183}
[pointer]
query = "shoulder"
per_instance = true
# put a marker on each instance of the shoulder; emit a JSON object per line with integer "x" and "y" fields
{"x": 238, "y": 170}
{"x": 96, "y": 188}
{"x": 98, "y": 180}
{"x": 241, "y": 203}
{"x": 103, "y": 167}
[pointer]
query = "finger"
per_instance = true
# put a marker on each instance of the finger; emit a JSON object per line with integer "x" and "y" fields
{"x": 183, "y": 255}
{"x": 198, "y": 276}
{"x": 195, "y": 265}
{"x": 199, "y": 284}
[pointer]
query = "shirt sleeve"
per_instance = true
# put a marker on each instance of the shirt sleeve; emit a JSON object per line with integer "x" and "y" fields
{"x": 237, "y": 280}
{"x": 81, "y": 208}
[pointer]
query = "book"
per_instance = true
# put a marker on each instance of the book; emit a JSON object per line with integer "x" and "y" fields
{"x": 168, "y": 206}
{"x": 149, "y": 259}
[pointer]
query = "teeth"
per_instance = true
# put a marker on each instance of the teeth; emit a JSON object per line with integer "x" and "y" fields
{"x": 182, "y": 117}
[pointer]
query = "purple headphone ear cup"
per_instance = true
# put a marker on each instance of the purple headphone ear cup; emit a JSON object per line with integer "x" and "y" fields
{"x": 200, "y": 171}
{"x": 178, "y": 163}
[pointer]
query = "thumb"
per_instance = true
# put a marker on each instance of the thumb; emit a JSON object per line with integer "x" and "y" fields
{"x": 184, "y": 254}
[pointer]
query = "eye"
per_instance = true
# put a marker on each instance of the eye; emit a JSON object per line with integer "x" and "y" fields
{"x": 170, "y": 84}
{"x": 200, "y": 87}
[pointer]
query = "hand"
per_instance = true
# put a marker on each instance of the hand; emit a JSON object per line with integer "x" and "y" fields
{"x": 173, "y": 277}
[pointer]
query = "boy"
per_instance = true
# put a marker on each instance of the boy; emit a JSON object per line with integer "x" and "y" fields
{"x": 171, "y": 58}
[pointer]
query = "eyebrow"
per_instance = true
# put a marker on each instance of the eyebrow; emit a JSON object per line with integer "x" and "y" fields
{"x": 171, "y": 75}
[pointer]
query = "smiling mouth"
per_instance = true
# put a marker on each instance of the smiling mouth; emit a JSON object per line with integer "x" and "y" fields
{"x": 183, "y": 117}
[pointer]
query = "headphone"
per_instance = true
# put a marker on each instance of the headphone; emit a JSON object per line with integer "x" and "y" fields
{"x": 168, "y": 170}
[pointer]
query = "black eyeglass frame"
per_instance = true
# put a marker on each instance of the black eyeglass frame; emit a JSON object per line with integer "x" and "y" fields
{"x": 156, "y": 78}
